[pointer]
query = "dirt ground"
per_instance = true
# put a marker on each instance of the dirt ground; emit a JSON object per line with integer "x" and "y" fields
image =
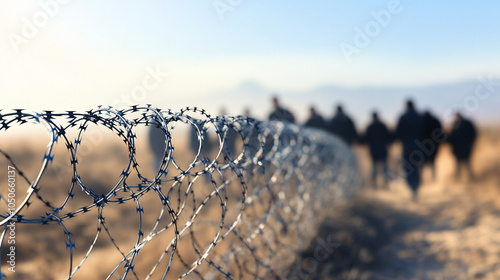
{"x": 451, "y": 232}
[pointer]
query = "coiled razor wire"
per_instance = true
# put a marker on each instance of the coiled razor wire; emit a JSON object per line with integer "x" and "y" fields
{"x": 226, "y": 214}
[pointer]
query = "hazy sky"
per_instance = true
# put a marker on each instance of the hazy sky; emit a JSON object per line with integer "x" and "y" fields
{"x": 79, "y": 54}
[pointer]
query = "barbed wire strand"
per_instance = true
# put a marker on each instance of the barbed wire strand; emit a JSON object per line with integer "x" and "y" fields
{"x": 269, "y": 193}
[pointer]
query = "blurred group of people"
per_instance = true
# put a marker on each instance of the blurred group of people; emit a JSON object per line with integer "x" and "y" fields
{"x": 420, "y": 134}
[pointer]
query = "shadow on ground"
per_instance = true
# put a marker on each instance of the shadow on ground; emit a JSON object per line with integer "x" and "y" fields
{"x": 360, "y": 241}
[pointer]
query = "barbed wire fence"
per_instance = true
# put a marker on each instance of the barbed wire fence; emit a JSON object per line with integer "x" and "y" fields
{"x": 228, "y": 212}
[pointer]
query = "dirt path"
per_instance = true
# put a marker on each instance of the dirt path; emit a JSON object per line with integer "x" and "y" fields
{"x": 452, "y": 232}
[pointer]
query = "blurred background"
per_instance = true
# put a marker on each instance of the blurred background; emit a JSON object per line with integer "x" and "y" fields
{"x": 63, "y": 55}
{"x": 237, "y": 54}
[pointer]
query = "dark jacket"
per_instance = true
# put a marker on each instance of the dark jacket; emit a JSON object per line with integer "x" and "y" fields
{"x": 462, "y": 138}
{"x": 431, "y": 126}
{"x": 409, "y": 130}
{"x": 282, "y": 114}
{"x": 316, "y": 121}
{"x": 195, "y": 141}
{"x": 343, "y": 126}
{"x": 377, "y": 137}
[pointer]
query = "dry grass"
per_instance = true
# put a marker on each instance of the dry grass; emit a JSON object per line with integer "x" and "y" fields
{"x": 450, "y": 233}
{"x": 41, "y": 249}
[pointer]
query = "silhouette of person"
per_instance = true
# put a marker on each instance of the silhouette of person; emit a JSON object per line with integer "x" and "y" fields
{"x": 251, "y": 135}
{"x": 279, "y": 113}
{"x": 431, "y": 127}
{"x": 206, "y": 144}
{"x": 230, "y": 136}
{"x": 462, "y": 138}
{"x": 378, "y": 138}
{"x": 198, "y": 130}
{"x": 409, "y": 131}
{"x": 343, "y": 126}
{"x": 315, "y": 120}
{"x": 156, "y": 144}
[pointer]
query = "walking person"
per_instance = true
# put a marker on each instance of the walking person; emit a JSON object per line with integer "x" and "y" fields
{"x": 315, "y": 120}
{"x": 157, "y": 144}
{"x": 343, "y": 126}
{"x": 251, "y": 133}
{"x": 431, "y": 127}
{"x": 230, "y": 135}
{"x": 378, "y": 138}
{"x": 409, "y": 132}
{"x": 200, "y": 143}
{"x": 462, "y": 138}
{"x": 279, "y": 113}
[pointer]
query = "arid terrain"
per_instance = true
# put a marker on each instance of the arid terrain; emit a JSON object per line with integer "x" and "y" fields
{"x": 452, "y": 232}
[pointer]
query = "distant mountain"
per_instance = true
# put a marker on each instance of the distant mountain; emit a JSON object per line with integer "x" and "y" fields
{"x": 442, "y": 99}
